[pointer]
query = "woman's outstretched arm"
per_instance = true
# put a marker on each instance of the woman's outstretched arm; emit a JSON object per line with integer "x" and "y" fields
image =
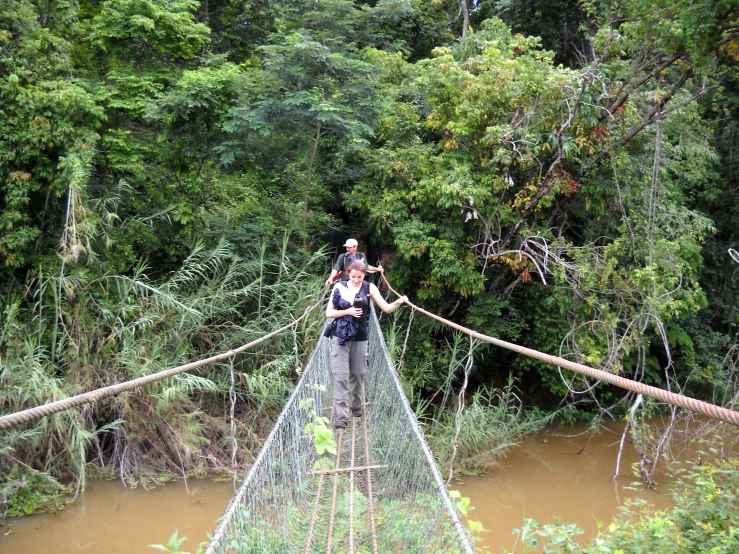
{"x": 380, "y": 301}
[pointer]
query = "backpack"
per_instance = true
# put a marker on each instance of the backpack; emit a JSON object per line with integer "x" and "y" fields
{"x": 345, "y": 263}
{"x": 364, "y": 291}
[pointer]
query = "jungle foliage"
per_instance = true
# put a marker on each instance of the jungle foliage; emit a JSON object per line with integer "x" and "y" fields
{"x": 563, "y": 176}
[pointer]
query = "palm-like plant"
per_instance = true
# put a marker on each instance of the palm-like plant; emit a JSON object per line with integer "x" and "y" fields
{"x": 79, "y": 332}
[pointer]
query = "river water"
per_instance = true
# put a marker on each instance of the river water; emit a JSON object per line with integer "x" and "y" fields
{"x": 543, "y": 478}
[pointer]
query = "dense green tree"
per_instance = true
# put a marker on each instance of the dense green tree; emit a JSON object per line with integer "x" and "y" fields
{"x": 313, "y": 85}
{"x": 139, "y": 43}
{"x": 512, "y": 168}
{"x": 193, "y": 112}
{"x": 46, "y": 119}
{"x": 239, "y": 26}
{"x": 562, "y": 25}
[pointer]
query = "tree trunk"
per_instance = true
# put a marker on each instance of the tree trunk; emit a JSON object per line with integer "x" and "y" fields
{"x": 465, "y": 17}
{"x": 306, "y": 192}
{"x": 45, "y": 18}
{"x": 731, "y": 155}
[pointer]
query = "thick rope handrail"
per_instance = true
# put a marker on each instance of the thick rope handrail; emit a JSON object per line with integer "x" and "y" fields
{"x": 717, "y": 412}
{"x": 11, "y": 420}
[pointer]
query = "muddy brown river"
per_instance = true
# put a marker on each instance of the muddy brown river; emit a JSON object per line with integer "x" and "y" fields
{"x": 541, "y": 479}
{"x": 545, "y": 478}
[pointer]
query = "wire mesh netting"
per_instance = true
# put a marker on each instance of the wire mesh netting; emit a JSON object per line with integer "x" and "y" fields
{"x": 394, "y": 500}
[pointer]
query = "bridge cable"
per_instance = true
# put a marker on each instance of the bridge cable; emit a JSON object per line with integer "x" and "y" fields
{"x": 711, "y": 410}
{"x": 371, "y": 500}
{"x": 232, "y": 419}
{"x": 405, "y": 341}
{"x": 11, "y": 420}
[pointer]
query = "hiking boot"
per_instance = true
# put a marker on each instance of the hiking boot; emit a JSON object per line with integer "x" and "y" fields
{"x": 358, "y": 412}
{"x": 341, "y": 424}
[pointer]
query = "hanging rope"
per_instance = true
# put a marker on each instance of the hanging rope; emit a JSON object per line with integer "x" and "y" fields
{"x": 387, "y": 295}
{"x": 460, "y": 407}
{"x": 24, "y": 416}
{"x": 232, "y": 396}
{"x": 711, "y": 410}
{"x": 298, "y": 369}
{"x": 405, "y": 341}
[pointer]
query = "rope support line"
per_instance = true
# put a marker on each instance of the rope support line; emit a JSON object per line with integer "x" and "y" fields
{"x": 369, "y": 477}
{"x": 711, "y": 410}
{"x": 11, "y": 420}
{"x": 335, "y": 495}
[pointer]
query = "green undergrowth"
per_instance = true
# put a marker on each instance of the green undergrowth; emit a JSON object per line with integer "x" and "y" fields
{"x": 25, "y": 492}
{"x": 109, "y": 329}
{"x": 174, "y": 545}
{"x": 491, "y": 420}
{"x": 704, "y": 519}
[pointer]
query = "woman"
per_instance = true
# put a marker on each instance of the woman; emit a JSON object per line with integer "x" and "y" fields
{"x": 349, "y": 339}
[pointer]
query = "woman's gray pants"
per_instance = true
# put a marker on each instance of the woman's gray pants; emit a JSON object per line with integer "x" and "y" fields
{"x": 348, "y": 366}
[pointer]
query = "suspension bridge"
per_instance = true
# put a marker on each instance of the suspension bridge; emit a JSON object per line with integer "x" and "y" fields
{"x": 381, "y": 491}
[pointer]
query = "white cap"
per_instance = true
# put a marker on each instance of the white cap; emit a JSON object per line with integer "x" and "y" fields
{"x": 351, "y": 243}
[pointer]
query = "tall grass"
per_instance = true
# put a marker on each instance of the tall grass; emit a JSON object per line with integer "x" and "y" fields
{"x": 492, "y": 420}
{"x": 60, "y": 336}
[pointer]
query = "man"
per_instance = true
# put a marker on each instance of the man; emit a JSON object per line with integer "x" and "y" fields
{"x": 343, "y": 261}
